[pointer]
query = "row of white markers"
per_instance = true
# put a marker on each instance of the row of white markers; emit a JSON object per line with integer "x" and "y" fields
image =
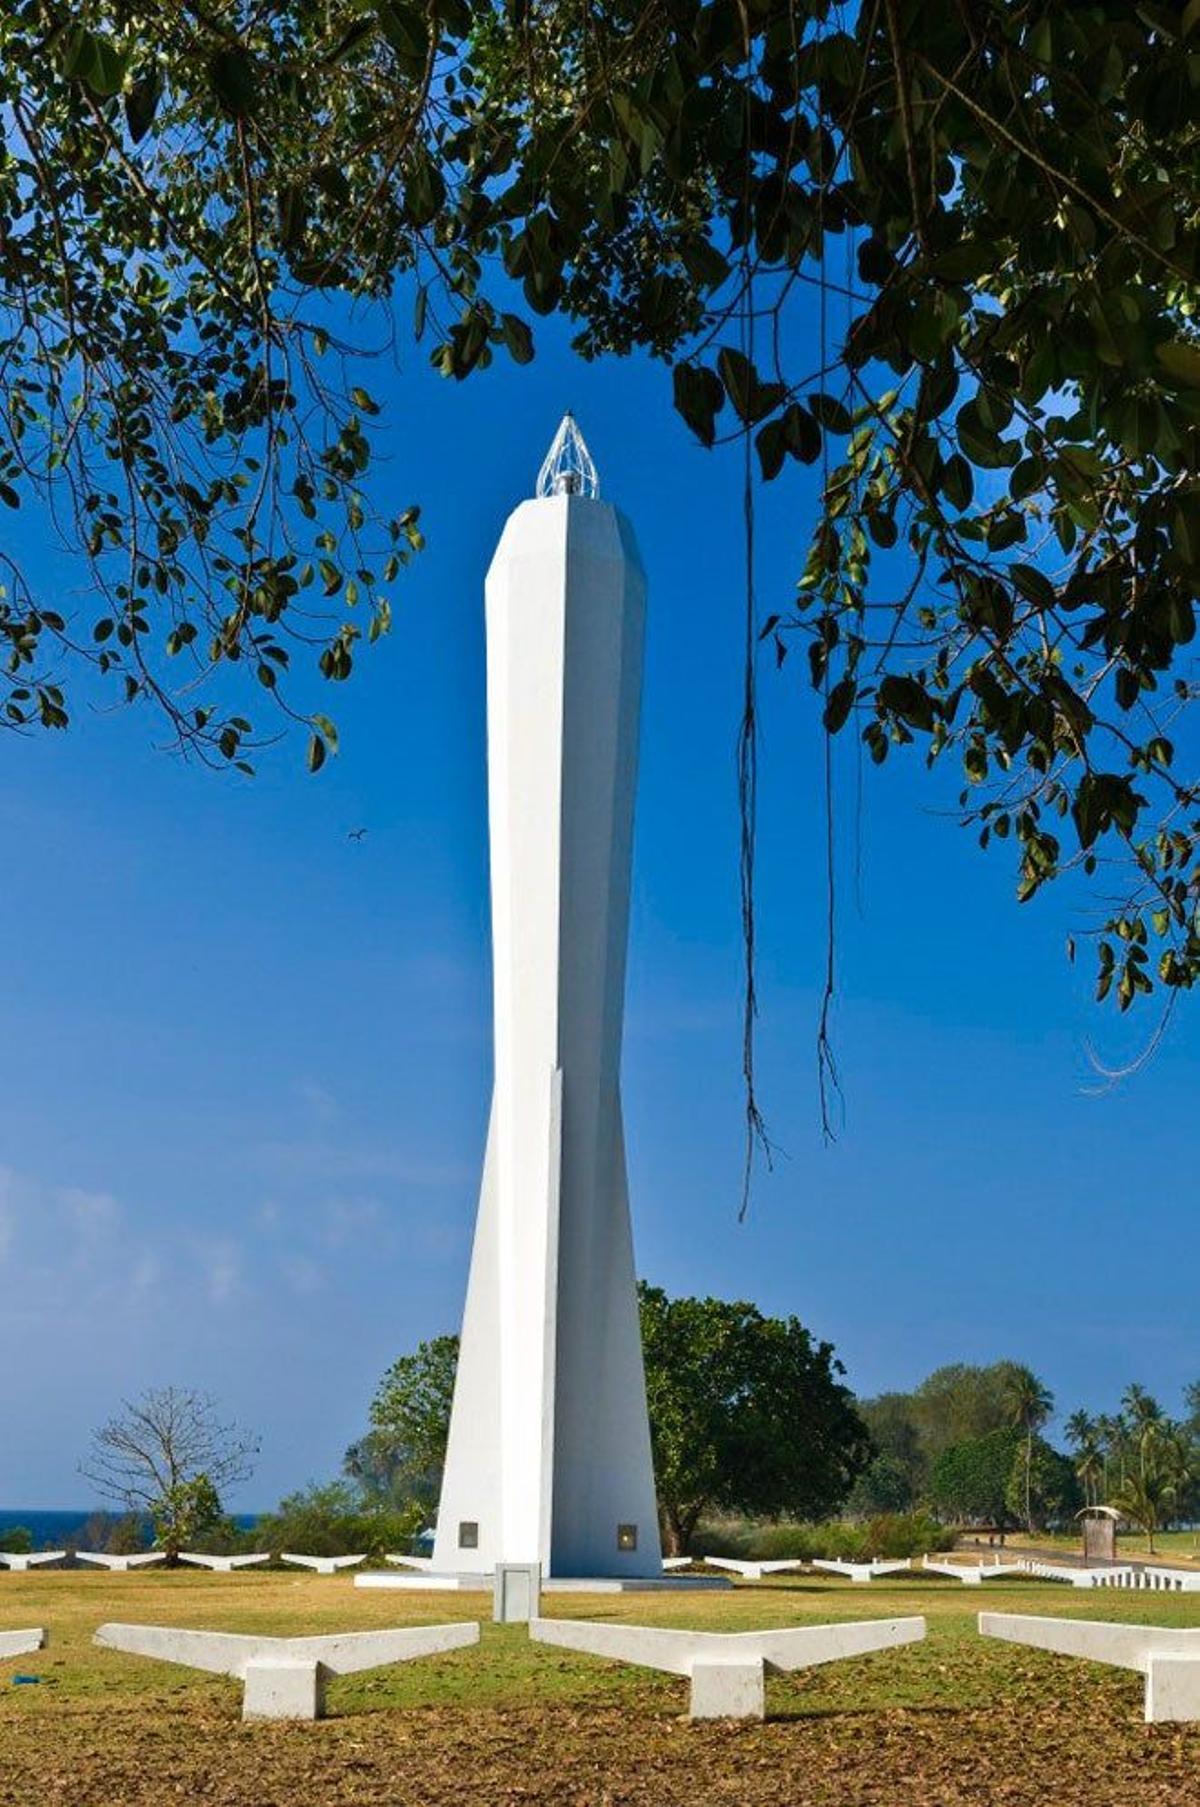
{"x": 219, "y": 1565}
{"x": 284, "y": 1678}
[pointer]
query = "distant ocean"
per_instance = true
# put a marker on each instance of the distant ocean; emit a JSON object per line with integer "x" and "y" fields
{"x": 50, "y": 1530}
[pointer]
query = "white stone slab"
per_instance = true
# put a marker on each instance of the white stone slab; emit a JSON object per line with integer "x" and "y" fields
{"x": 860, "y": 1572}
{"x": 322, "y": 1565}
{"x": 411, "y": 1562}
{"x": 671, "y": 1563}
{"x": 1168, "y": 1658}
{"x": 19, "y": 1564}
{"x": 22, "y": 1643}
{"x": 222, "y": 1565}
{"x": 284, "y": 1676}
{"x": 734, "y": 1652}
{"x": 754, "y": 1571}
{"x": 971, "y": 1574}
{"x": 119, "y": 1565}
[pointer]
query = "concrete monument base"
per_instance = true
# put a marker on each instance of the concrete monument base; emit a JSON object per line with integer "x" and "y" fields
{"x": 22, "y": 1643}
{"x": 553, "y": 1584}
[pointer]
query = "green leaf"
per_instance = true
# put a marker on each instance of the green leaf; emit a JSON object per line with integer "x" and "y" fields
{"x": 231, "y": 78}
{"x": 1180, "y": 358}
{"x": 905, "y": 697}
{"x": 802, "y": 433}
{"x": 424, "y": 190}
{"x": 1034, "y": 585}
{"x": 141, "y": 104}
{"x": 699, "y": 398}
{"x": 752, "y": 398}
{"x": 316, "y": 753}
{"x": 839, "y": 704}
{"x": 327, "y": 731}
{"x": 406, "y": 31}
{"x": 517, "y": 337}
{"x": 832, "y": 414}
{"x": 771, "y": 446}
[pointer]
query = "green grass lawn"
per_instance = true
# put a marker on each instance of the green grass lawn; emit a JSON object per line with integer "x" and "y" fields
{"x": 954, "y": 1720}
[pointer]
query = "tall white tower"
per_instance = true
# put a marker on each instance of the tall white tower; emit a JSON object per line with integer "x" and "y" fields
{"x": 549, "y": 1452}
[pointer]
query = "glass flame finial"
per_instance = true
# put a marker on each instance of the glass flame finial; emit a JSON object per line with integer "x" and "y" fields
{"x": 568, "y": 469}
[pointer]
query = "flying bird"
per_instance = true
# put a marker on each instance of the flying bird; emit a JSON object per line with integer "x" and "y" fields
{"x": 355, "y": 834}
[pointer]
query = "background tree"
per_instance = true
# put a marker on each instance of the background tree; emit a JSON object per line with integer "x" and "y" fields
{"x": 334, "y": 1519}
{"x": 1150, "y": 1489}
{"x": 1029, "y": 1403}
{"x": 1083, "y": 1434}
{"x": 167, "y": 1456}
{"x": 1043, "y": 1487}
{"x": 402, "y": 1455}
{"x": 894, "y": 1479}
{"x": 746, "y": 1414}
{"x": 960, "y": 1402}
{"x": 969, "y": 1482}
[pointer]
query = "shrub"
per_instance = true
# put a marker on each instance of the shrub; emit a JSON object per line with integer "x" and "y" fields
{"x": 332, "y": 1520}
{"x": 891, "y": 1534}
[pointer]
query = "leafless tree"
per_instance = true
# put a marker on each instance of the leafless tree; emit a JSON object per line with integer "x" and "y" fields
{"x": 168, "y": 1455}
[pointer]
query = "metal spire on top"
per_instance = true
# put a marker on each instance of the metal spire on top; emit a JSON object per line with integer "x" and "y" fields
{"x": 568, "y": 469}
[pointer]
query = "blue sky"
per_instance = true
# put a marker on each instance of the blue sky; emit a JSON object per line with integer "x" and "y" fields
{"x": 245, "y": 1062}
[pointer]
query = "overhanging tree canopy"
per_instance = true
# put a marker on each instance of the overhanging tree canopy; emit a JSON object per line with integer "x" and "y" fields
{"x": 995, "y": 205}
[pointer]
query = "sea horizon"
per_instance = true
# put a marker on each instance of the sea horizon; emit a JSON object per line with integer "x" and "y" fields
{"x": 52, "y": 1525}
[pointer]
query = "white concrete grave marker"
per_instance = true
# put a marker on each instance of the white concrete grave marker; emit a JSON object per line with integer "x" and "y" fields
{"x": 727, "y": 1668}
{"x": 20, "y": 1563}
{"x": 284, "y": 1678}
{"x": 1169, "y": 1659}
{"x": 322, "y": 1565}
{"x": 754, "y": 1571}
{"x": 22, "y": 1643}
{"x": 860, "y": 1571}
{"x": 223, "y": 1565}
{"x": 119, "y": 1565}
{"x": 972, "y": 1574}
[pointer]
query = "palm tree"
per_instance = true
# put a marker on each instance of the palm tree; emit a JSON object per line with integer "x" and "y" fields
{"x": 1146, "y": 1493}
{"x": 1084, "y": 1435}
{"x": 1178, "y": 1458}
{"x": 1030, "y": 1402}
{"x": 1090, "y": 1469}
{"x": 1142, "y": 1410}
{"x": 1080, "y": 1429}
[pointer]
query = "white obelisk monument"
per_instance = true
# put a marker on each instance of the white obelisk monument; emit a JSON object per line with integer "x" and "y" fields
{"x": 549, "y": 1453}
